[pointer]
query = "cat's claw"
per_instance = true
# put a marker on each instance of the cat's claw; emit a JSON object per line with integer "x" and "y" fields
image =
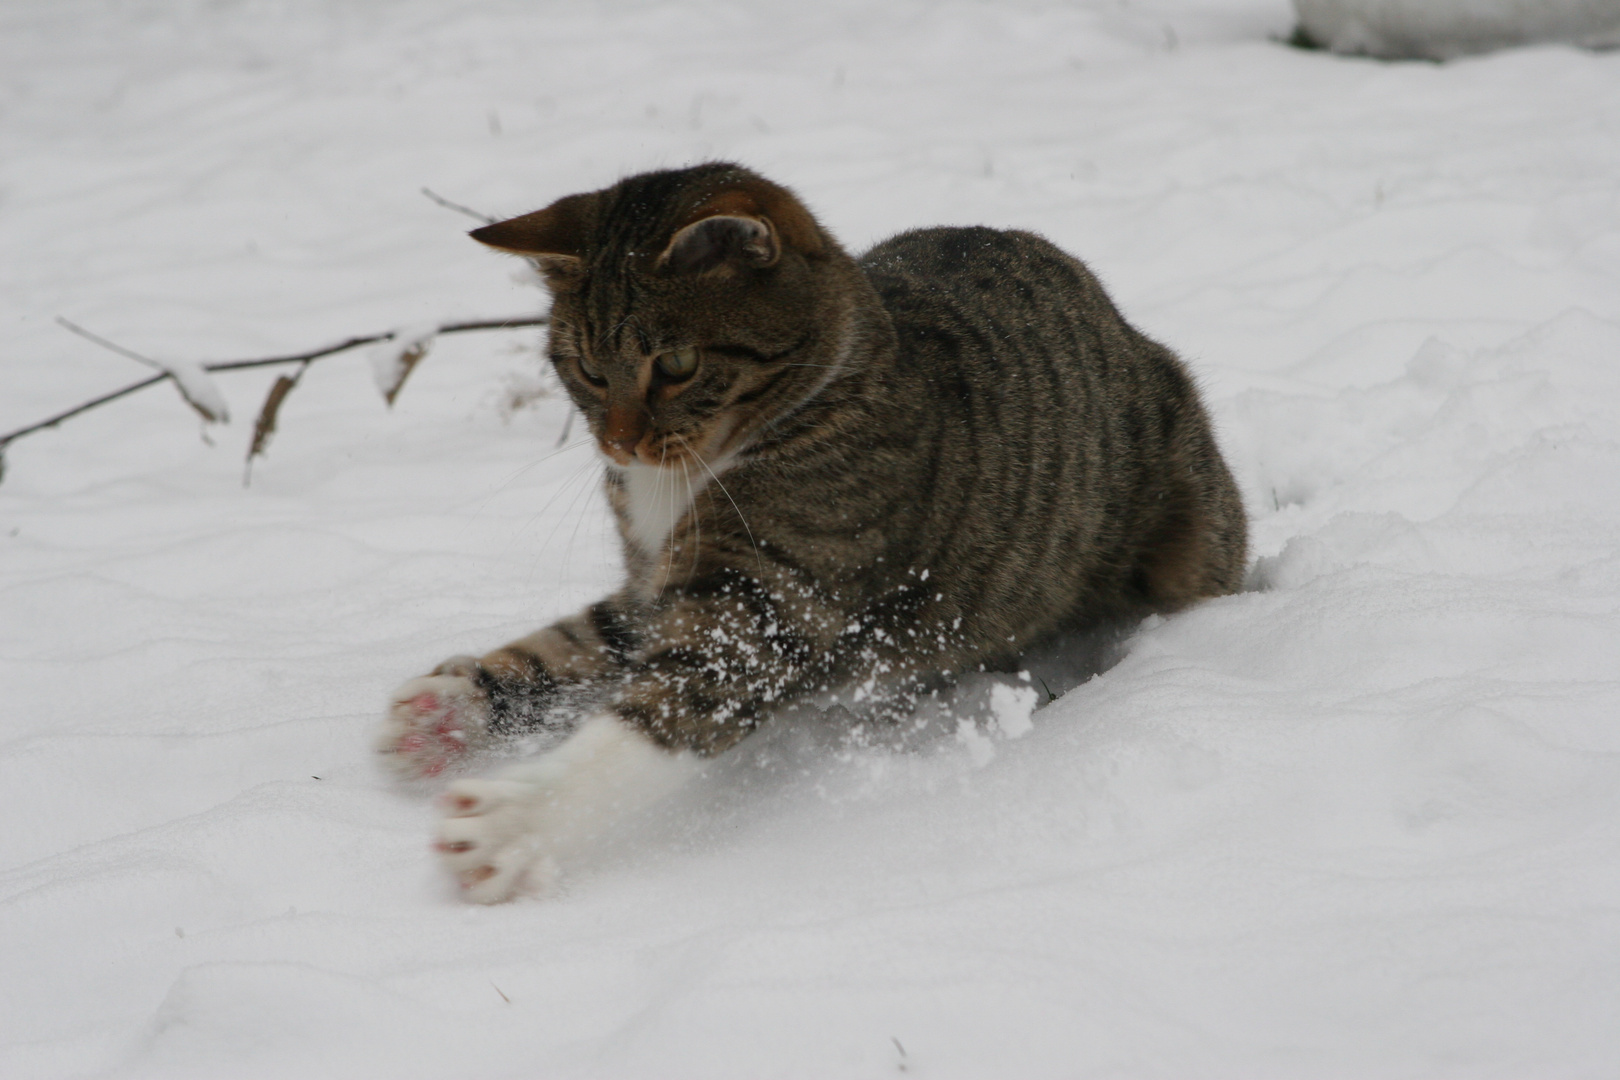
{"x": 489, "y": 840}
{"x": 432, "y": 724}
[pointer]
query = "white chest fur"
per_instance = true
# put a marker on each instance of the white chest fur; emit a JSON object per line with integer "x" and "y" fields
{"x": 656, "y": 498}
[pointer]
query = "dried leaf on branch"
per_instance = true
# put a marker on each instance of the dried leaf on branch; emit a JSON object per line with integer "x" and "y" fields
{"x": 405, "y": 349}
{"x": 392, "y": 361}
{"x": 265, "y": 425}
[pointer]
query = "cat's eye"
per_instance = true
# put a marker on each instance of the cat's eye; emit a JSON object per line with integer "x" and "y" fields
{"x": 678, "y": 364}
{"x": 592, "y": 373}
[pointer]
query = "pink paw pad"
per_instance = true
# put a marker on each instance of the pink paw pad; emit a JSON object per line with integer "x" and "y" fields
{"x": 431, "y": 726}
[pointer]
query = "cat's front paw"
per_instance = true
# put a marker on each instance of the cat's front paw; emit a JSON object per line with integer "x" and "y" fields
{"x": 433, "y": 722}
{"x": 505, "y": 836}
{"x": 493, "y": 839}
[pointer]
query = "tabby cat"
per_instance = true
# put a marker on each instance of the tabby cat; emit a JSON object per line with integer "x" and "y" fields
{"x": 826, "y": 471}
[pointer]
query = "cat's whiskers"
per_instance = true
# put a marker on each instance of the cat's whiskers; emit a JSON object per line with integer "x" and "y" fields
{"x": 697, "y": 527}
{"x": 592, "y": 472}
{"x": 504, "y": 484}
{"x": 685, "y": 476}
{"x": 758, "y": 558}
{"x": 583, "y": 470}
{"x": 665, "y": 480}
{"x": 579, "y": 519}
{"x": 719, "y": 440}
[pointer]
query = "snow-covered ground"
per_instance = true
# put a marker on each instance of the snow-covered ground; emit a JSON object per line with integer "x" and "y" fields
{"x": 1445, "y": 29}
{"x": 1363, "y": 820}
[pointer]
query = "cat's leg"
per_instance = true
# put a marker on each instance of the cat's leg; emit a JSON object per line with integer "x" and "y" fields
{"x": 501, "y": 836}
{"x": 709, "y": 667}
{"x": 468, "y": 703}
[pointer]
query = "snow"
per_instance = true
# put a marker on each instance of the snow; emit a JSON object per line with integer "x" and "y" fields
{"x": 199, "y": 389}
{"x": 1445, "y": 29}
{"x": 1360, "y": 820}
{"x": 1013, "y": 706}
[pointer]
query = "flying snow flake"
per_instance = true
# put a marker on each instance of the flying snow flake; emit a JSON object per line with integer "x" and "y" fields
{"x": 1012, "y": 706}
{"x": 980, "y": 751}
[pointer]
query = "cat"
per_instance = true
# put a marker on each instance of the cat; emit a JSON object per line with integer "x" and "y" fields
{"x": 825, "y": 471}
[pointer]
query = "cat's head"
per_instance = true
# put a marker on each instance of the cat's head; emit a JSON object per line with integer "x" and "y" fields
{"x": 691, "y": 309}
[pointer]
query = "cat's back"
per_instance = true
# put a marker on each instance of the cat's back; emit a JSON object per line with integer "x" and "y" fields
{"x": 956, "y": 255}
{"x": 1012, "y": 278}
{"x": 1069, "y": 432}
{"x": 1005, "y": 312}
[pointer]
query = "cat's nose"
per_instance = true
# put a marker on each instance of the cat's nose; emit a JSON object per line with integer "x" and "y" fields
{"x": 622, "y": 450}
{"x": 625, "y": 429}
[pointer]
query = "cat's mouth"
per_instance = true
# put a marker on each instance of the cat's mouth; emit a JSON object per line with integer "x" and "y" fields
{"x": 683, "y": 453}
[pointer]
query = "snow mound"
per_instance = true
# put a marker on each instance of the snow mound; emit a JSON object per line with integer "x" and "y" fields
{"x": 1443, "y": 29}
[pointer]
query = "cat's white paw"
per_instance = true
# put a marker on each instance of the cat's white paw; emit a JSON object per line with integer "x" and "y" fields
{"x": 500, "y": 837}
{"x": 432, "y": 723}
{"x": 493, "y": 839}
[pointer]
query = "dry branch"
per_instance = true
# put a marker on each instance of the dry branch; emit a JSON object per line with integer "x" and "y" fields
{"x": 457, "y": 207}
{"x": 190, "y": 379}
{"x": 167, "y": 372}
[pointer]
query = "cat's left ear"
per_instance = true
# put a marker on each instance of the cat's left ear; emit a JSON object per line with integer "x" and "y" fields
{"x": 747, "y": 225}
{"x": 721, "y": 241}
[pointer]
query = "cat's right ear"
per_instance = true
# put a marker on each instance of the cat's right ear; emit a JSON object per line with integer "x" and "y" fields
{"x": 553, "y": 238}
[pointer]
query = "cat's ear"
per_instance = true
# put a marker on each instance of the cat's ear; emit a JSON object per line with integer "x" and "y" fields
{"x": 722, "y": 241}
{"x": 744, "y": 226}
{"x": 554, "y": 238}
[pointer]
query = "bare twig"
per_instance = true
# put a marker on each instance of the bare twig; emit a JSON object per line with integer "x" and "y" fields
{"x": 196, "y": 389}
{"x": 152, "y": 380}
{"x": 457, "y": 207}
{"x": 369, "y": 339}
{"x": 105, "y": 344}
{"x": 239, "y": 365}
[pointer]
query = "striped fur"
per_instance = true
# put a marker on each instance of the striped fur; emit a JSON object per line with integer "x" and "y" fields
{"x": 897, "y": 468}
